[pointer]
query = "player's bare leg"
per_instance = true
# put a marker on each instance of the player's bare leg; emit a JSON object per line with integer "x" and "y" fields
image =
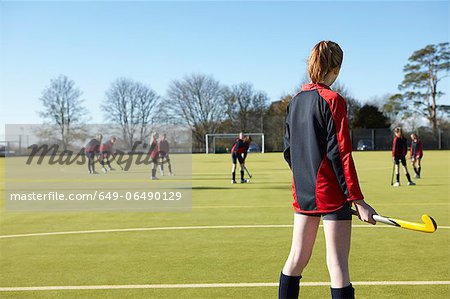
{"x": 161, "y": 169}
{"x": 303, "y": 238}
{"x": 405, "y": 170}
{"x": 242, "y": 174}
{"x": 417, "y": 167}
{"x": 337, "y": 236}
{"x": 397, "y": 176}
{"x": 233, "y": 174}
{"x": 154, "y": 171}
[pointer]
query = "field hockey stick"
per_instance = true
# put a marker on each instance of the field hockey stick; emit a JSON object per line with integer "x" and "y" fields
{"x": 249, "y": 174}
{"x": 117, "y": 162}
{"x": 428, "y": 225}
{"x": 121, "y": 168}
{"x": 392, "y": 176}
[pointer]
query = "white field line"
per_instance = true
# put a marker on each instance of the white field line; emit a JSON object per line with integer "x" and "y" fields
{"x": 284, "y": 206}
{"x": 209, "y": 285}
{"x": 178, "y": 228}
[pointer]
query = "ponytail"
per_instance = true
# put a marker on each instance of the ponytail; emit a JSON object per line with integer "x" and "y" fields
{"x": 325, "y": 56}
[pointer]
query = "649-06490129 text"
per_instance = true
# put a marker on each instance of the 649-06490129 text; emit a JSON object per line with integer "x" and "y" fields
{"x": 99, "y": 196}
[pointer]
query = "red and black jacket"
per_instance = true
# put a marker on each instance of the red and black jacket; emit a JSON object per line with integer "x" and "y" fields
{"x": 399, "y": 147}
{"x": 93, "y": 146}
{"x": 153, "y": 151}
{"x": 163, "y": 147}
{"x": 416, "y": 149}
{"x": 317, "y": 147}
{"x": 239, "y": 147}
{"x": 107, "y": 147}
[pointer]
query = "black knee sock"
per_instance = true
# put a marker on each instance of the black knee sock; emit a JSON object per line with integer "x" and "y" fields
{"x": 233, "y": 175}
{"x": 397, "y": 176}
{"x": 242, "y": 175}
{"x": 170, "y": 167}
{"x": 154, "y": 172}
{"x": 408, "y": 177}
{"x": 289, "y": 287}
{"x": 109, "y": 164}
{"x": 418, "y": 170}
{"x": 343, "y": 293}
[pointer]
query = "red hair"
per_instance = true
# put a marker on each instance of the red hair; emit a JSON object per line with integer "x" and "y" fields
{"x": 325, "y": 56}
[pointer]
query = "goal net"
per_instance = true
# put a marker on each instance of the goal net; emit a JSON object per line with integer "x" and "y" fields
{"x": 222, "y": 143}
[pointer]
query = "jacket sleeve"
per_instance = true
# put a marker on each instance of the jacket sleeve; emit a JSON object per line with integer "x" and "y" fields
{"x": 287, "y": 139}
{"x": 394, "y": 144}
{"x": 339, "y": 150}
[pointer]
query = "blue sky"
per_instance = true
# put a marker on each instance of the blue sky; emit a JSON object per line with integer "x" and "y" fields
{"x": 266, "y": 43}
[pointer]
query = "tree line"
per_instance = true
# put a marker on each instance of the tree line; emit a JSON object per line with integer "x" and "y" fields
{"x": 207, "y": 106}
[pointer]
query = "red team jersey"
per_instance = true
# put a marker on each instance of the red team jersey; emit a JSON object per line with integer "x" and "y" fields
{"x": 318, "y": 150}
{"x": 92, "y": 146}
{"x": 154, "y": 149}
{"x": 399, "y": 147}
{"x": 239, "y": 147}
{"x": 106, "y": 147}
{"x": 416, "y": 150}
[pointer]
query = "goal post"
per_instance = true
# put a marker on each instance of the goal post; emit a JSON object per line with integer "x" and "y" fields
{"x": 211, "y": 140}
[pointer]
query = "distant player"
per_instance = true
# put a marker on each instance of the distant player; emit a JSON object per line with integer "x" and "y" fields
{"x": 153, "y": 152}
{"x": 239, "y": 153}
{"x": 92, "y": 149}
{"x": 399, "y": 149}
{"x": 163, "y": 153}
{"x": 416, "y": 153}
{"x": 106, "y": 151}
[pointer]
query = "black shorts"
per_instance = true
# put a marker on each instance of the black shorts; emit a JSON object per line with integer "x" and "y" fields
{"x": 90, "y": 155}
{"x": 105, "y": 154}
{"x": 398, "y": 159}
{"x": 344, "y": 213}
{"x": 235, "y": 156}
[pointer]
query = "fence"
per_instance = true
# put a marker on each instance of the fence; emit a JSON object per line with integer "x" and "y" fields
{"x": 362, "y": 139}
{"x": 381, "y": 139}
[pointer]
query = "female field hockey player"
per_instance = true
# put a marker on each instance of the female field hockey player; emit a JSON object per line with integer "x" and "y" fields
{"x": 153, "y": 152}
{"x": 163, "y": 153}
{"x": 416, "y": 154}
{"x": 91, "y": 150}
{"x": 106, "y": 150}
{"x": 399, "y": 149}
{"x": 239, "y": 153}
{"x": 325, "y": 184}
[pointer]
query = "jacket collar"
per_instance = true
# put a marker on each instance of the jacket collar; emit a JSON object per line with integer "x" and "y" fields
{"x": 311, "y": 86}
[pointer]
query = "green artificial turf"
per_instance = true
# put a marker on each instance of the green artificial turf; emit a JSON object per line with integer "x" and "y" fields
{"x": 230, "y": 255}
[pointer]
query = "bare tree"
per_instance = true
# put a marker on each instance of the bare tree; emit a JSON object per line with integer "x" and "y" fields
{"x": 353, "y": 105}
{"x": 148, "y": 109}
{"x": 246, "y": 107}
{"x": 133, "y": 106}
{"x": 63, "y": 107}
{"x": 198, "y": 101}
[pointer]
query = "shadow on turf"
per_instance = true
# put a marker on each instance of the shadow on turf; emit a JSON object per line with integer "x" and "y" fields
{"x": 211, "y": 188}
